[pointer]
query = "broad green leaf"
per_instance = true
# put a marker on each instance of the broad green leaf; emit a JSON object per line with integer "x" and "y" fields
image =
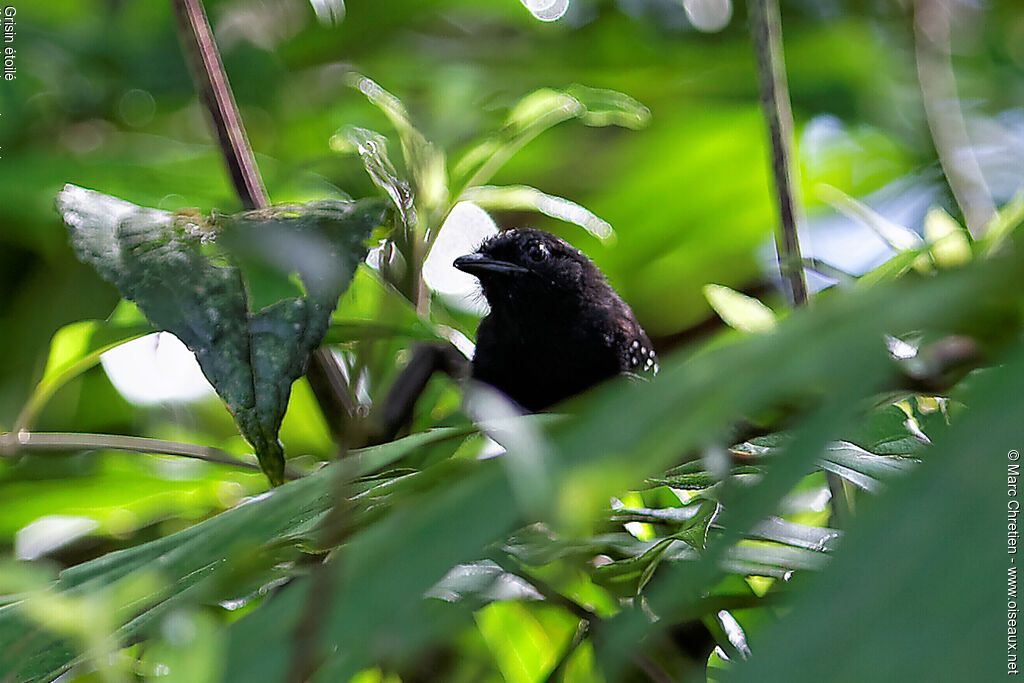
{"x": 205, "y": 562}
{"x": 699, "y": 479}
{"x": 424, "y": 160}
{"x": 695, "y": 532}
{"x": 772, "y": 529}
{"x": 947, "y": 239}
{"x": 192, "y": 655}
{"x": 885, "y": 431}
{"x": 161, "y": 261}
{"x": 627, "y": 577}
{"x": 796, "y": 535}
{"x": 519, "y": 643}
{"x": 893, "y": 615}
{"x": 480, "y": 583}
{"x": 76, "y": 348}
{"x": 861, "y": 468}
{"x": 182, "y": 561}
{"x": 740, "y": 311}
{"x": 520, "y": 197}
{"x": 769, "y": 559}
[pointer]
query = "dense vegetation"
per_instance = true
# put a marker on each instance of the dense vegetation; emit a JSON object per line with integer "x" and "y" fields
{"x": 820, "y": 487}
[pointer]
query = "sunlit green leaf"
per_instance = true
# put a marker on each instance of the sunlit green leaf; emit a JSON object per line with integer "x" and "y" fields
{"x": 740, "y": 311}
{"x": 522, "y": 197}
{"x": 610, "y": 108}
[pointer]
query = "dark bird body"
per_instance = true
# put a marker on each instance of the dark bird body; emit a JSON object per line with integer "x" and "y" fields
{"x": 556, "y": 327}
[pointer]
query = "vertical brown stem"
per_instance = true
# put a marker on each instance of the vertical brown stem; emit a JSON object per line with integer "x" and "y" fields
{"x": 766, "y": 30}
{"x": 214, "y": 90}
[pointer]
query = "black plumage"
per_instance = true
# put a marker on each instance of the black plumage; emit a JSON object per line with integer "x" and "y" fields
{"x": 556, "y": 327}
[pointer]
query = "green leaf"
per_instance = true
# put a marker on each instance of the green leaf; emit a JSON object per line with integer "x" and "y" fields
{"x": 861, "y": 468}
{"x": 779, "y": 530}
{"x": 184, "y": 562}
{"x": 76, "y": 348}
{"x": 740, "y": 311}
{"x": 1003, "y": 225}
{"x": 541, "y": 105}
{"x": 891, "y": 269}
{"x": 372, "y": 148}
{"x": 893, "y": 615}
{"x": 206, "y": 562}
{"x": 518, "y": 197}
{"x": 522, "y": 648}
{"x": 610, "y": 108}
{"x": 541, "y": 110}
{"x": 424, "y": 160}
{"x": 626, "y": 578}
{"x": 161, "y": 261}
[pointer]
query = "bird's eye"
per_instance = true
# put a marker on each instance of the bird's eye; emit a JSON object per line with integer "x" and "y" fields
{"x": 537, "y": 252}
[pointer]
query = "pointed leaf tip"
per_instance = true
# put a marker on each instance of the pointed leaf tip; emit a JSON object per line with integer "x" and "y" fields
{"x": 161, "y": 261}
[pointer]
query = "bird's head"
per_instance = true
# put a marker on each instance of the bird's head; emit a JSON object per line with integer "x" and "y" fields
{"x": 531, "y": 268}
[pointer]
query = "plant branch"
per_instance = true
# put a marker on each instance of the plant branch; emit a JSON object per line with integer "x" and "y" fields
{"x": 306, "y": 654}
{"x": 766, "y": 31}
{"x": 932, "y": 24}
{"x": 11, "y": 444}
{"x": 211, "y": 82}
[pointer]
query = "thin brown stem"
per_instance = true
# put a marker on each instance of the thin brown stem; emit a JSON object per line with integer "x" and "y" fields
{"x": 211, "y": 82}
{"x": 766, "y": 31}
{"x": 307, "y": 654}
{"x": 331, "y": 390}
{"x": 11, "y": 444}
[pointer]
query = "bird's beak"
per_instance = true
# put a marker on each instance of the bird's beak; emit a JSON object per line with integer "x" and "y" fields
{"x": 479, "y": 264}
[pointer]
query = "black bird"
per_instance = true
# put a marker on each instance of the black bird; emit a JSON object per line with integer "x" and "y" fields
{"x": 556, "y": 326}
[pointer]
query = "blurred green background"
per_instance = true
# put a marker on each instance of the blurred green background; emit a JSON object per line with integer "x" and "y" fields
{"x": 103, "y": 100}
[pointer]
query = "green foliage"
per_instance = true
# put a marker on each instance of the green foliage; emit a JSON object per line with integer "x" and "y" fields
{"x": 251, "y": 354}
{"x": 602, "y": 533}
